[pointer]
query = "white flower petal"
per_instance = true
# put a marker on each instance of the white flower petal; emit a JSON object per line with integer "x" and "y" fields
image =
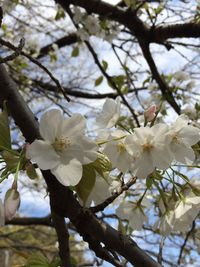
{"x": 50, "y": 124}
{"x": 183, "y": 154}
{"x": 69, "y": 174}
{"x": 42, "y": 153}
{"x": 89, "y": 148}
{"x": 75, "y": 125}
{"x": 190, "y": 135}
{"x": 124, "y": 210}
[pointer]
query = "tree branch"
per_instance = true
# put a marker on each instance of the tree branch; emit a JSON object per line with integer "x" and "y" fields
{"x": 66, "y": 40}
{"x": 63, "y": 239}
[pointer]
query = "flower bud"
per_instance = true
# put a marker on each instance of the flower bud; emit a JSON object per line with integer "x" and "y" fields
{"x": 2, "y": 215}
{"x": 149, "y": 113}
{"x": 11, "y": 203}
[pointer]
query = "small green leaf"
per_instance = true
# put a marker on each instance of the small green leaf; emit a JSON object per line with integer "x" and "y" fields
{"x": 37, "y": 260}
{"x": 105, "y": 64}
{"x": 98, "y": 81}
{"x": 60, "y": 14}
{"x": 149, "y": 182}
{"x": 11, "y": 160}
{"x": 31, "y": 172}
{"x": 87, "y": 182}
{"x": 75, "y": 52}
{"x": 56, "y": 262}
{"x": 5, "y": 139}
{"x": 102, "y": 164}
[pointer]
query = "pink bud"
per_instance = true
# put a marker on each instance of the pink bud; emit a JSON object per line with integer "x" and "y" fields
{"x": 11, "y": 203}
{"x": 150, "y": 113}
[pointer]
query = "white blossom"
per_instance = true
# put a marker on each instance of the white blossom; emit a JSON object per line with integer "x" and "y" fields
{"x": 181, "y": 76}
{"x": 185, "y": 212}
{"x": 102, "y": 189}
{"x": 149, "y": 149}
{"x": 92, "y": 25}
{"x": 110, "y": 113}
{"x": 64, "y": 148}
{"x": 133, "y": 212}
{"x": 117, "y": 152}
{"x": 78, "y": 15}
{"x": 183, "y": 136}
{"x": 165, "y": 223}
{"x": 83, "y": 34}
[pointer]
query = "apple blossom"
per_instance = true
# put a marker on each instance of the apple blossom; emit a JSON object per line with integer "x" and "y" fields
{"x": 64, "y": 148}
{"x": 2, "y": 214}
{"x": 133, "y": 212}
{"x": 110, "y": 113}
{"x": 11, "y": 203}
{"x": 149, "y": 148}
{"x": 183, "y": 136}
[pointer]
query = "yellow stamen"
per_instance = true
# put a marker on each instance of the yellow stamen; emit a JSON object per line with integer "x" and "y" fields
{"x": 147, "y": 147}
{"x": 121, "y": 147}
{"x": 61, "y": 144}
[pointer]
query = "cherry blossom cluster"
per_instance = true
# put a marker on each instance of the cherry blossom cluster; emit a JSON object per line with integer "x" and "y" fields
{"x": 92, "y": 26}
{"x": 142, "y": 151}
{"x": 146, "y": 148}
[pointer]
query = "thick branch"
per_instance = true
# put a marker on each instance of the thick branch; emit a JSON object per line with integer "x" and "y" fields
{"x": 62, "y": 200}
{"x": 66, "y": 40}
{"x": 63, "y": 239}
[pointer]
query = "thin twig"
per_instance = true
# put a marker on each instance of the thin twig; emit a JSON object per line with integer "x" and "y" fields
{"x": 16, "y": 53}
{"x": 36, "y": 62}
{"x": 185, "y": 242}
{"x": 109, "y": 200}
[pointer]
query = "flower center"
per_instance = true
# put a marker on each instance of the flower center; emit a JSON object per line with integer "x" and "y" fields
{"x": 147, "y": 147}
{"x": 61, "y": 144}
{"x": 176, "y": 139}
{"x": 121, "y": 147}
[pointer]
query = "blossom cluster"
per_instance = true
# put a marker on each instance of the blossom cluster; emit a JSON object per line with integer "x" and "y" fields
{"x": 147, "y": 148}
{"x": 65, "y": 150}
{"x": 92, "y": 26}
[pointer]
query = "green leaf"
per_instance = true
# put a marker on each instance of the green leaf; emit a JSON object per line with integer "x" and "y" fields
{"x": 11, "y": 160}
{"x": 105, "y": 64}
{"x": 31, "y": 172}
{"x": 5, "y": 139}
{"x": 130, "y": 3}
{"x": 98, "y": 81}
{"x": 87, "y": 182}
{"x": 37, "y": 260}
{"x": 55, "y": 262}
{"x": 60, "y": 14}
{"x": 102, "y": 164}
{"x": 75, "y": 52}
{"x": 149, "y": 182}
